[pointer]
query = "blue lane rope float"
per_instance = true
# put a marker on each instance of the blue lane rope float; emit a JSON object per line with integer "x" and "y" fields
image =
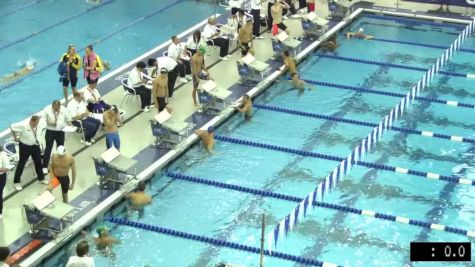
{"x": 50, "y": 27}
{"x": 429, "y": 175}
{"x": 54, "y": 63}
{"x": 16, "y": 9}
{"x": 390, "y": 65}
{"x": 218, "y": 242}
{"x": 468, "y": 50}
{"x": 392, "y": 94}
{"x": 415, "y": 22}
{"x": 364, "y": 123}
{"x": 342, "y": 208}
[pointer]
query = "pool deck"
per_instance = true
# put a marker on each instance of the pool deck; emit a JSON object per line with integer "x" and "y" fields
{"x": 92, "y": 201}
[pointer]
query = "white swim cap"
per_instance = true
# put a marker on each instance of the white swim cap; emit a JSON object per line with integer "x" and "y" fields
{"x": 361, "y": 30}
{"x": 30, "y": 64}
{"x": 60, "y": 150}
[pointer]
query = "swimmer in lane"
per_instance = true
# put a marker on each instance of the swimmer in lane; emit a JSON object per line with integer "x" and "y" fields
{"x": 245, "y": 106}
{"x": 11, "y": 77}
{"x": 290, "y": 65}
{"x": 359, "y": 35}
{"x": 207, "y": 138}
{"x": 104, "y": 241}
{"x": 138, "y": 199}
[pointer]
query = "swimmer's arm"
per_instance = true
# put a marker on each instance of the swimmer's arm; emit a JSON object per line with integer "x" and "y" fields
{"x": 199, "y": 132}
{"x": 73, "y": 170}
{"x": 78, "y": 65}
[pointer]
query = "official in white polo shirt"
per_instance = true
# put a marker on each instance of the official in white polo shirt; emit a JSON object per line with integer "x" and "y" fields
{"x": 77, "y": 110}
{"x": 56, "y": 119}
{"x": 213, "y": 36}
{"x": 137, "y": 81}
{"x": 27, "y": 134}
{"x": 172, "y": 71}
{"x": 180, "y": 55}
{"x": 4, "y": 168}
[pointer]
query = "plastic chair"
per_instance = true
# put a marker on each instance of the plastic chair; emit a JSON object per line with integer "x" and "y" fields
{"x": 129, "y": 93}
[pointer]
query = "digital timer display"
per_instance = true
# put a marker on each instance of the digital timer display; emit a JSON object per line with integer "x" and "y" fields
{"x": 441, "y": 251}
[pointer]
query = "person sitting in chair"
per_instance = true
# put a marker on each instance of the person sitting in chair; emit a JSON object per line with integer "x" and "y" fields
{"x": 95, "y": 104}
{"x": 213, "y": 36}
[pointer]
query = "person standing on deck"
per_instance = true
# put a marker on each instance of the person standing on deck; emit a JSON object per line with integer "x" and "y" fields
{"x": 245, "y": 38}
{"x": 61, "y": 163}
{"x": 73, "y": 64}
{"x": 276, "y": 13}
{"x": 160, "y": 90}
{"x": 198, "y": 68}
{"x": 4, "y": 168}
{"x": 112, "y": 120}
{"x": 93, "y": 67}
{"x": 82, "y": 259}
{"x": 256, "y": 7}
{"x": 26, "y": 134}
{"x": 56, "y": 119}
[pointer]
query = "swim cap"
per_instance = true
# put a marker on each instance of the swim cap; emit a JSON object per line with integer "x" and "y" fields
{"x": 202, "y": 49}
{"x": 60, "y": 150}
{"x": 210, "y": 129}
{"x": 163, "y": 70}
{"x": 361, "y": 30}
{"x": 30, "y": 64}
{"x": 101, "y": 229}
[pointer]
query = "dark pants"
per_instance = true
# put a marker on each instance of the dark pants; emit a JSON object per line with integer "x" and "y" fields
{"x": 50, "y": 138}
{"x": 25, "y": 152}
{"x": 145, "y": 95}
{"x": 172, "y": 76}
{"x": 256, "y": 25}
{"x": 184, "y": 68}
{"x": 302, "y": 4}
{"x": 223, "y": 45}
{"x": 269, "y": 16}
{"x": 292, "y": 8}
{"x": 90, "y": 126}
{"x": 161, "y": 101}
{"x": 192, "y": 51}
{"x": 3, "y": 181}
{"x": 234, "y": 10}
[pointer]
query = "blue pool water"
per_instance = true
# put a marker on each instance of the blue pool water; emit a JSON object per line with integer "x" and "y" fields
{"x": 328, "y": 235}
{"x": 47, "y": 47}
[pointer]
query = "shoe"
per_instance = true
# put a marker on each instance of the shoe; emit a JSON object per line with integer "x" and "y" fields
{"x": 93, "y": 140}
{"x": 44, "y": 181}
{"x": 87, "y": 143}
{"x": 146, "y": 109}
{"x": 183, "y": 80}
{"x": 45, "y": 170}
{"x": 18, "y": 187}
{"x": 170, "y": 98}
{"x": 258, "y": 37}
{"x": 189, "y": 77}
{"x": 224, "y": 58}
{"x": 285, "y": 17}
{"x": 1, "y": 216}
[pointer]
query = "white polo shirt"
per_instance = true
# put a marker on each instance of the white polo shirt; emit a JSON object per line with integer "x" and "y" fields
{"x": 174, "y": 51}
{"x": 2, "y": 264}
{"x": 26, "y": 134}
{"x": 91, "y": 95}
{"x": 235, "y": 3}
{"x": 76, "y": 108}
{"x": 166, "y": 62}
{"x": 209, "y": 31}
{"x": 75, "y": 261}
{"x": 191, "y": 44}
{"x": 60, "y": 118}
{"x": 256, "y": 4}
{"x": 4, "y": 164}
{"x": 135, "y": 78}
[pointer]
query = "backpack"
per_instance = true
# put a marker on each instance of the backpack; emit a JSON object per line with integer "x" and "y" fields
{"x": 62, "y": 68}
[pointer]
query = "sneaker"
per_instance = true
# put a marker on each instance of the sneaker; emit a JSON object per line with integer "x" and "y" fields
{"x": 18, "y": 187}
{"x": 45, "y": 170}
{"x": 86, "y": 143}
{"x": 93, "y": 140}
{"x": 1, "y": 216}
{"x": 258, "y": 37}
{"x": 146, "y": 109}
{"x": 170, "y": 98}
{"x": 183, "y": 80}
{"x": 44, "y": 181}
{"x": 189, "y": 77}
{"x": 224, "y": 58}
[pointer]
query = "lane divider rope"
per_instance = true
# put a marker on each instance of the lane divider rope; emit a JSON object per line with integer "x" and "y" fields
{"x": 126, "y": 27}
{"x": 468, "y": 50}
{"x": 315, "y": 203}
{"x": 392, "y": 94}
{"x": 415, "y": 22}
{"x": 391, "y": 65}
{"x": 429, "y": 175}
{"x": 16, "y": 9}
{"x": 50, "y": 27}
{"x": 364, "y": 123}
{"x": 218, "y": 242}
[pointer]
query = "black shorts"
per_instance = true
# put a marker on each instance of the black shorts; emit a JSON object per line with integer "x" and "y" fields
{"x": 161, "y": 103}
{"x": 282, "y": 26}
{"x": 245, "y": 48}
{"x": 64, "y": 181}
{"x": 74, "y": 81}
{"x": 234, "y": 10}
{"x": 92, "y": 81}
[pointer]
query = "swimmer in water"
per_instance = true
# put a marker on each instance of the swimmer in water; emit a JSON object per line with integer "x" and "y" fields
{"x": 11, "y": 77}
{"x": 359, "y": 35}
{"x": 291, "y": 66}
{"x": 104, "y": 241}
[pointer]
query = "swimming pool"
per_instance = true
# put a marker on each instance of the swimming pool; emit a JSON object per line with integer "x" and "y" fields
{"x": 325, "y": 234}
{"x": 113, "y": 16}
